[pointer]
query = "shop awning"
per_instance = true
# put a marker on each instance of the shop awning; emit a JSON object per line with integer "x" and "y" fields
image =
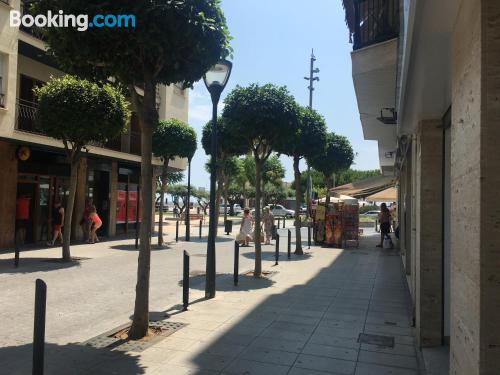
{"x": 364, "y": 188}
{"x": 387, "y": 195}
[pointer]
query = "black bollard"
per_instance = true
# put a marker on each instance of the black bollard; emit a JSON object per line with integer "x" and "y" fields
{"x": 277, "y": 254}
{"x": 185, "y": 282}
{"x": 236, "y": 262}
{"x": 16, "y": 256}
{"x": 39, "y": 327}
{"x": 308, "y": 236}
{"x": 289, "y": 243}
{"x": 279, "y": 223}
{"x": 177, "y": 231}
{"x": 284, "y": 222}
{"x": 201, "y": 222}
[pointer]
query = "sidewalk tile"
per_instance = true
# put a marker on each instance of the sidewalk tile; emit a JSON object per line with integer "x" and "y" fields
{"x": 331, "y": 351}
{"x": 277, "y": 357}
{"x": 325, "y": 364}
{"x": 371, "y": 369}
{"x": 246, "y": 367}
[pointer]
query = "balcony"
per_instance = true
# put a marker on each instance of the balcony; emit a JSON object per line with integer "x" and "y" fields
{"x": 34, "y": 31}
{"x": 26, "y": 116}
{"x": 375, "y": 21}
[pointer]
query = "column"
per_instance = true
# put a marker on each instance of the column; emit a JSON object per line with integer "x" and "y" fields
{"x": 429, "y": 234}
{"x": 113, "y": 196}
{"x": 475, "y": 181}
{"x": 8, "y": 192}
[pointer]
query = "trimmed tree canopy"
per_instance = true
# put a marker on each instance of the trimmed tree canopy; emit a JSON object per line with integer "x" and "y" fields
{"x": 225, "y": 143}
{"x": 263, "y": 118}
{"x": 80, "y": 112}
{"x": 174, "y": 138}
{"x": 338, "y": 155}
{"x": 172, "y": 41}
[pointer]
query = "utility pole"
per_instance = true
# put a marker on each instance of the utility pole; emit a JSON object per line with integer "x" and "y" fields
{"x": 311, "y": 80}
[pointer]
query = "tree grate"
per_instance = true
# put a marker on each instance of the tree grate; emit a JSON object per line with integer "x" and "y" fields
{"x": 382, "y": 341}
{"x": 163, "y": 328}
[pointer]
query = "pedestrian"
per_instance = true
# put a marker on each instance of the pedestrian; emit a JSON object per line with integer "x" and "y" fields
{"x": 268, "y": 221}
{"x": 96, "y": 224}
{"x": 85, "y": 222}
{"x": 246, "y": 226}
{"x": 384, "y": 218}
{"x": 57, "y": 222}
{"x": 22, "y": 218}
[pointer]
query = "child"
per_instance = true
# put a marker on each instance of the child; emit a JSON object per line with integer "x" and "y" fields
{"x": 57, "y": 220}
{"x": 96, "y": 224}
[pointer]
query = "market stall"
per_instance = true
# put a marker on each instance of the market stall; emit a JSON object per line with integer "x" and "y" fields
{"x": 337, "y": 224}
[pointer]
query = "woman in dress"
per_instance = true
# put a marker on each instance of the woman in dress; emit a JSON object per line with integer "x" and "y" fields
{"x": 246, "y": 226}
{"x": 268, "y": 221}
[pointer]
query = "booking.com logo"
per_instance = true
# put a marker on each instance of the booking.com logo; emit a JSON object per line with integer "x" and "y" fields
{"x": 80, "y": 22}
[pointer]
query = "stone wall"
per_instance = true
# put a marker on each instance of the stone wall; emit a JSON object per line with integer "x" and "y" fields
{"x": 429, "y": 234}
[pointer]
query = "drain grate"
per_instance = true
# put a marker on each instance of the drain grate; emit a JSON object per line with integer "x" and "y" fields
{"x": 385, "y": 341}
{"x": 163, "y": 329}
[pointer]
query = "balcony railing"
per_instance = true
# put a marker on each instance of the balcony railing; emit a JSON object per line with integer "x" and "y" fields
{"x": 375, "y": 21}
{"x": 26, "y": 116}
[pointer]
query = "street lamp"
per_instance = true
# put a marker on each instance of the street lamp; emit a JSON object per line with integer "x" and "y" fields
{"x": 215, "y": 81}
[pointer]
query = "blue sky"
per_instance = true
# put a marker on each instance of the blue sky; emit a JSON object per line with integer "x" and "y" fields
{"x": 272, "y": 43}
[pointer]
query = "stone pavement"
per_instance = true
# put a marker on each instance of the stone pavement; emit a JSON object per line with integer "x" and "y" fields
{"x": 305, "y": 319}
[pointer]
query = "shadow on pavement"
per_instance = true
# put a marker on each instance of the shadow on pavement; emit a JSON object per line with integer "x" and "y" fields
{"x": 225, "y": 282}
{"x": 69, "y": 359}
{"x": 270, "y": 255}
{"x": 29, "y": 265}
{"x": 131, "y": 247}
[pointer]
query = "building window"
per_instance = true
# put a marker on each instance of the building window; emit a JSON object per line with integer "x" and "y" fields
{"x": 3, "y": 80}
{"x": 375, "y": 22}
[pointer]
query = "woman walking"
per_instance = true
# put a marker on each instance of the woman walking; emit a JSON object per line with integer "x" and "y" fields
{"x": 57, "y": 222}
{"x": 96, "y": 224}
{"x": 268, "y": 221}
{"x": 384, "y": 218}
{"x": 246, "y": 226}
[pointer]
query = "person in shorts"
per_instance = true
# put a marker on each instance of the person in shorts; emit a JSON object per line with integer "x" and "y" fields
{"x": 385, "y": 219}
{"x": 57, "y": 222}
{"x": 96, "y": 224}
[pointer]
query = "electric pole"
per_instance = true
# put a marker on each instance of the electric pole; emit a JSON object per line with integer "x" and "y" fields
{"x": 311, "y": 80}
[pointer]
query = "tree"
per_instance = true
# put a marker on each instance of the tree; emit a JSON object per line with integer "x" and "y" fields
{"x": 202, "y": 196}
{"x": 179, "y": 194}
{"x": 310, "y": 141}
{"x": 172, "y": 138}
{"x": 352, "y": 175}
{"x": 172, "y": 41}
{"x": 263, "y": 118}
{"x": 226, "y": 148}
{"x": 337, "y": 156}
{"x": 78, "y": 113}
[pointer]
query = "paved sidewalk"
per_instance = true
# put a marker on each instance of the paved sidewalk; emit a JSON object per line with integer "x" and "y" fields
{"x": 303, "y": 320}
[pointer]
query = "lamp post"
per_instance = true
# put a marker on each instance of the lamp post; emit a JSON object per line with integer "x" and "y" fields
{"x": 215, "y": 81}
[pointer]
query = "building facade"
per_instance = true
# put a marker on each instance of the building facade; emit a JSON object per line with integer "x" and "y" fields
{"x": 427, "y": 80}
{"x": 34, "y": 167}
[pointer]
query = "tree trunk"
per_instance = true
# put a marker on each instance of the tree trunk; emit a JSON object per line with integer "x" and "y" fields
{"x": 258, "y": 248}
{"x": 298, "y": 202}
{"x": 68, "y": 210}
{"x": 148, "y": 119}
{"x": 226, "y": 200}
{"x": 163, "y": 189}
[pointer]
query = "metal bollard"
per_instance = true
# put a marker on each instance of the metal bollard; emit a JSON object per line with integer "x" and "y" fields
{"x": 236, "y": 262}
{"x": 308, "y": 236}
{"x": 201, "y": 222}
{"x": 185, "y": 282}
{"x": 284, "y": 221}
{"x": 16, "y": 256}
{"x": 177, "y": 231}
{"x": 277, "y": 254}
{"x": 39, "y": 327}
{"x": 289, "y": 243}
{"x": 279, "y": 223}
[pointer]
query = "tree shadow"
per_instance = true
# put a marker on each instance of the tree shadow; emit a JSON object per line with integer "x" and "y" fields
{"x": 283, "y": 257}
{"x": 29, "y": 265}
{"x": 225, "y": 282}
{"x": 71, "y": 359}
{"x": 131, "y": 247}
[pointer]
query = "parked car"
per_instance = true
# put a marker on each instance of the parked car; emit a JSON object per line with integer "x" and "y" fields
{"x": 236, "y": 208}
{"x": 303, "y": 208}
{"x": 373, "y": 213}
{"x": 278, "y": 210}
